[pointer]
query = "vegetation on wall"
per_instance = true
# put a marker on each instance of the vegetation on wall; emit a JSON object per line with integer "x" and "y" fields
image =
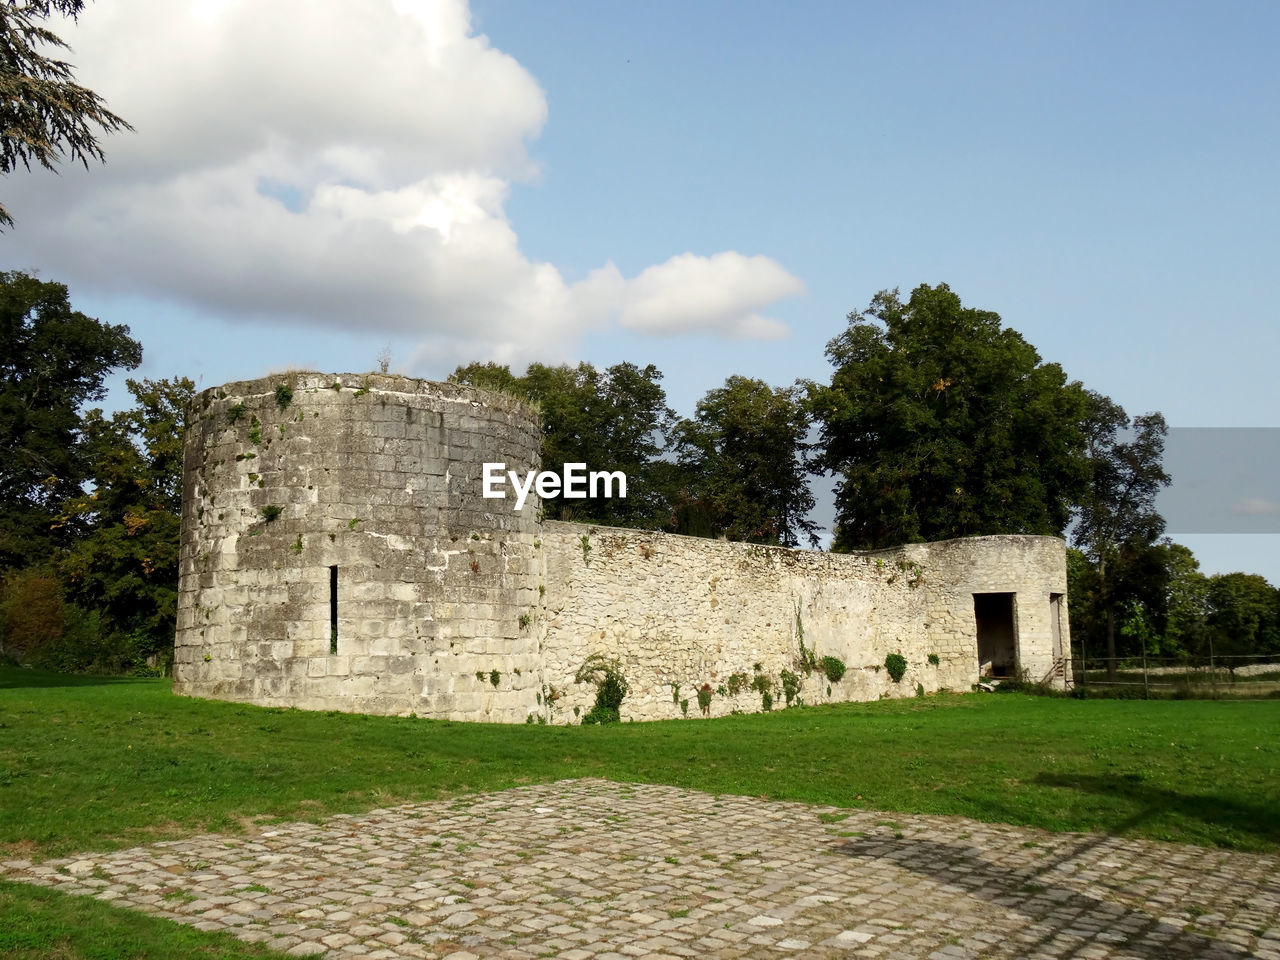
{"x": 896, "y": 666}
{"x": 611, "y": 688}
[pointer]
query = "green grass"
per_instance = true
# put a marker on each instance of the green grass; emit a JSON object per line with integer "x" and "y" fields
{"x": 94, "y": 764}
{"x": 41, "y": 924}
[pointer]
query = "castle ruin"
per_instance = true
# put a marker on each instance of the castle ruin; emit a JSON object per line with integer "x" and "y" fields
{"x": 338, "y": 554}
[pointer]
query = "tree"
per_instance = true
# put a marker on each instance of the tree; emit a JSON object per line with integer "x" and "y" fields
{"x": 1243, "y": 615}
{"x": 743, "y": 457}
{"x": 615, "y": 419}
{"x": 53, "y": 360}
{"x": 126, "y": 565}
{"x": 1186, "y": 602}
{"x": 941, "y": 423}
{"x": 1117, "y": 523}
{"x": 44, "y": 113}
{"x": 489, "y": 376}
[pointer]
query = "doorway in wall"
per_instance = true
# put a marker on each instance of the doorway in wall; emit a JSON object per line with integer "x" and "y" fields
{"x": 997, "y": 634}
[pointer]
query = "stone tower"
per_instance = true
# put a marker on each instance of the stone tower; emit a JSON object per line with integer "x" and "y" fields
{"x": 337, "y": 552}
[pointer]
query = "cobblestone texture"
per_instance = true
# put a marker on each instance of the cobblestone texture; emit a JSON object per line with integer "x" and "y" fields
{"x": 592, "y": 869}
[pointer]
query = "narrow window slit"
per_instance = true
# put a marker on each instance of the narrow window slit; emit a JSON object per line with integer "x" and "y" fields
{"x": 333, "y": 609}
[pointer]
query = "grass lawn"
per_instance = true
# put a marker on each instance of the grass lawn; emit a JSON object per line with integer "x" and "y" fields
{"x": 41, "y": 924}
{"x": 95, "y": 763}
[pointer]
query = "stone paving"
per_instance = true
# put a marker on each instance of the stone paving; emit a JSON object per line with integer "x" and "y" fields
{"x": 595, "y": 870}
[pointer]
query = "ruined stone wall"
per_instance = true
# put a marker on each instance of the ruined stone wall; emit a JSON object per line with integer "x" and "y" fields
{"x": 378, "y": 477}
{"x": 310, "y": 497}
{"x": 677, "y": 612}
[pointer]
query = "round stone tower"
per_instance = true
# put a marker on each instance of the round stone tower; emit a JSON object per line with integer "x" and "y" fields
{"x": 338, "y": 552}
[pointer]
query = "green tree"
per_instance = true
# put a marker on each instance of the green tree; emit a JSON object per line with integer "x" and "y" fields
{"x": 1117, "y": 523}
{"x": 743, "y": 462}
{"x": 939, "y": 423}
{"x": 1186, "y": 602}
{"x": 1242, "y": 615}
{"x": 1160, "y": 583}
{"x": 44, "y": 113}
{"x": 32, "y": 613}
{"x": 53, "y": 360}
{"x": 615, "y": 419}
{"x": 126, "y": 565}
{"x": 488, "y": 376}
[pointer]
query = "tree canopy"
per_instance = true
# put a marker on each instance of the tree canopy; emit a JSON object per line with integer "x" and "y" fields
{"x": 743, "y": 464}
{"x": 939, "y": 422}
{"x": 126, "y": 564}
{"x": 1117, "y": 523}
{"x": 44, "y": 113}
{"x": 53, "y": 361}
{"x": 612, "y": 419}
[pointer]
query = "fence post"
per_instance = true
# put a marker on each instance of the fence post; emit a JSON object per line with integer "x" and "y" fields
{"x": 1146, "y": 684}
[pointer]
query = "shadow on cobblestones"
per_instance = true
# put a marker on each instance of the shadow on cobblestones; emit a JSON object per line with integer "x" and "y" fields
{"x": 1066, "y": 921}
{"x": 598, "y": 870}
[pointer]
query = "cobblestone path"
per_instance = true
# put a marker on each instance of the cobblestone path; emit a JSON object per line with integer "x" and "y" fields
{"x": 593, "y": 869}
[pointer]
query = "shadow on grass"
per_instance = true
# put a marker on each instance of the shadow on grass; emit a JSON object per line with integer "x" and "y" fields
{"x": 12, "y": 678}
{"x": 1258, "y": 820}
{"x": 1065, "y": 920}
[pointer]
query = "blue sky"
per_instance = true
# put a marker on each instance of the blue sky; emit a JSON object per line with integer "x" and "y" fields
{"x": 710, "y": 187}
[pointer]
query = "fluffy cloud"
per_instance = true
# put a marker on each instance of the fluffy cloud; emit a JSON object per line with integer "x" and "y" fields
{"x": 718, "y": 294}
{"x": 311, "y": 161}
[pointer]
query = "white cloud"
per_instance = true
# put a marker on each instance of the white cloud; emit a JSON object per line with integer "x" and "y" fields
{"x": 314, "y": 161}
{"x": 1255, "y": 507}
{"x": 718, "y": 294}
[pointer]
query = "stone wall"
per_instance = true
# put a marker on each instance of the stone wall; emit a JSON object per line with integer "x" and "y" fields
{"x": 378, "y": 479}
{"x": 337, "y": 553}
{"x": 682, "y": 612}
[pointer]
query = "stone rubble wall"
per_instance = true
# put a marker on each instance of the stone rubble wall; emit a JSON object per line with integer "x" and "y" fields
{"x": 380, "y": 477}
{"x": 454, "y": 606}
{"x": 678, "y": 612}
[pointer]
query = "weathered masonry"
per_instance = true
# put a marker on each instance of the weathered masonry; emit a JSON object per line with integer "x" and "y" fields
{"x": 338, "y": 554}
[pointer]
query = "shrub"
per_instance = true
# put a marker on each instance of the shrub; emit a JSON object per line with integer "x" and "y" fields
{"x": 611, "y": 688}
{"x": 31, "y": 612}
{"x": 763, "y": 686}
{"x": 933, "y": 660}
{"x": 270, "y": 512}
{"x": 896, "y": 664}
{"x": 284, "y": 395}
{"x": 599, "y": 715}
{"x": 833, "y": 667}
{"x": 790, "y": 686}
{"x": 704, "y": 699}
{"x": 737, "y": 683}
{"x": 88, "y": 645}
